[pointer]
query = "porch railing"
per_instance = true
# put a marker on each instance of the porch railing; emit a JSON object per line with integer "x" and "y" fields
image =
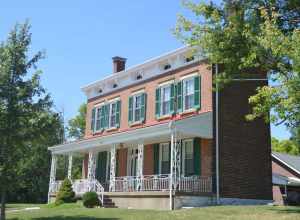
{"x": 195, "y": 184}
{"x": 161, "y": 182}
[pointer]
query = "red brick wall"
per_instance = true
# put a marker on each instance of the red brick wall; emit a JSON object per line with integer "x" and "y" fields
{"x": 149, "y": 87}
{"x": 122, "y": 162}
{"x": 245, "y": 147}
{"x": 148, "y": 160}
{"x": 206, "y": 157}
{"x": 279, "y": 169}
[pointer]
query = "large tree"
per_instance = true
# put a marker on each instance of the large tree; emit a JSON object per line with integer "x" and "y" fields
{"x": 251, "y": 36}
{"x": 76, "y": 126}
{"x": 24, "y": 107}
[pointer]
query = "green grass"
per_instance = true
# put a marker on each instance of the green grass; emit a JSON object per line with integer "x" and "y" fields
{"x": 77, "y": 212}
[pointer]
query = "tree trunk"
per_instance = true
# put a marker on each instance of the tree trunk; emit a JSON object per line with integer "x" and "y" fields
{"x": 2, "y": 212}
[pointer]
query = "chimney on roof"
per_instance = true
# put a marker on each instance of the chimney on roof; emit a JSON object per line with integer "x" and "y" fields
{"x": 118, "y": 64}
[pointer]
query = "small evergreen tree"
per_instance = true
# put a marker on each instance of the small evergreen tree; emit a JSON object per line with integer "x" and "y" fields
{"x": 65, "y": 193}
{"x": 90, "y": 199}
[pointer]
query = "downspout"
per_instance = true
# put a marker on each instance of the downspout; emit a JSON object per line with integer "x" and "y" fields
{"x": 217, "y": 140}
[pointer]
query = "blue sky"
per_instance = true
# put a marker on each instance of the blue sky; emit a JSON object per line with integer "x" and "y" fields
{"x": 80, "y": 37}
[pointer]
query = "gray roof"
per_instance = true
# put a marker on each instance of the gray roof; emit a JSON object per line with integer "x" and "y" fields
{"x": 290, "y": 160}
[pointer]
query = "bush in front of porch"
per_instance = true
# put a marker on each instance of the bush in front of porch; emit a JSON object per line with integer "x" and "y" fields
{"x": 90, "y": 199}
{"x": 65, "y": 193}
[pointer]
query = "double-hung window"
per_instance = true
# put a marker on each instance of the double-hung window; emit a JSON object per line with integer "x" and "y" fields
{"x": 164, "y": 158}
{"x": 106, "y": 116}
{"x": 137, "y": 108}
{"x": 188, "y": 93}
{"x": 188, "y": 157}
{"x": 165, "y": 99}
{"x": 113, "y": 115}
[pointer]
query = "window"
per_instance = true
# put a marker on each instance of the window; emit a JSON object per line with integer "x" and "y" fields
{"x": 113, "y": 115}
{"x": 137, "y": 105}
{"x": 164, "y": 158}
{"x": 137, "y": 108}
{"x": 188, "y": 157}
{"x": 166, "y": 98}
{"x": 106, "y": 116}
{"x": 98, "y": 118}
{"x": 188, "y": 93}
{"x": 167, "y": 66}
{"x": 189, "y": 59}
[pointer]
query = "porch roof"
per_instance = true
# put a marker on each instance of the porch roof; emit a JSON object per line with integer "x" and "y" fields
{"x": 194, "y": 126}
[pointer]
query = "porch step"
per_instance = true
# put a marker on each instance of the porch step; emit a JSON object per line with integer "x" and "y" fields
{"x": 108, "y": 203}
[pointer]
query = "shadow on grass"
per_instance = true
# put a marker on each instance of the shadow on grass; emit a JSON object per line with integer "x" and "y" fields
{"x": 59, "y": 217}
{"x": 289, "y": 210}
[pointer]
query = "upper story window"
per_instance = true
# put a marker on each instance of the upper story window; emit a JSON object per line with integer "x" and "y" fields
{"x": 113, "y": 115}
{"x": 137, "y": 108}
{"x": 188, "y": 93}
{"x": 164, "y": 100}
{"x": 106, "y": 116}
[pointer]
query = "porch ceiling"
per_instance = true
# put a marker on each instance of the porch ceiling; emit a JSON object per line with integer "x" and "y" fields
{"x": 195, "y": 126}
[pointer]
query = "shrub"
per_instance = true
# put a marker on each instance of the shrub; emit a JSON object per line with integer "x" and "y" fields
{"x": 90, "y": 199}
{"x": 65, "y": 193}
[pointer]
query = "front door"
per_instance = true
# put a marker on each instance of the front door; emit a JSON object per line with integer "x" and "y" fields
{"x": 132, "y": 161}
{"x": 102, "y": 171}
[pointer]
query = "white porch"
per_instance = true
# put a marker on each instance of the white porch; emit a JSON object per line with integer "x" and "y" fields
{"x": 174, "y": 181}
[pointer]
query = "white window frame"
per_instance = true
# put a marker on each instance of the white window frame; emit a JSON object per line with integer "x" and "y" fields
{"x": 162, "y": 101}
{"x": 183, "y": 154}
{"x": 161, "y": 146}
{"x": 110, "y": 114}
{"x": 134, "y": 108}
{"x": 190, "y": 78}
{"x": 97, "y": 108}
{"x": 132, "y": 154}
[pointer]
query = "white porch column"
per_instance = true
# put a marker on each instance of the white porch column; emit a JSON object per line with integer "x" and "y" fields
{"x": 70, "y": 166}
{"x": 140, "y": 166}
{"x": 52, "y": 175}
{"x": 112, "y": 172}
{"x": 91, "y": 170}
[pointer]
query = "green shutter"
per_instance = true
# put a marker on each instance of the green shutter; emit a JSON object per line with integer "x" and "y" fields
{"x": 93, "y": 120}
{"x": 172, "y": 99}
{"x": 156, "y": 158}
{"x": 197, "y": 92}
{"x": 143, "y": 107}
{"x": 101, "y": 167}
{"x": 179, "y": 96}
{"x": 130, "y": 109}
{"x": 157, "y": 102}
{"x": 118, "y": 113}
{"x": 106, "y": 115}
{"x": 197, "y": 156}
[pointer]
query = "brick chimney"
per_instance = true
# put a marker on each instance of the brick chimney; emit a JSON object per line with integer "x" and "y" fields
{"x": 118, "y": 64}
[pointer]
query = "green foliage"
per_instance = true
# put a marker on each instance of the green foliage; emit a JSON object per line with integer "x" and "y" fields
{"x": 25, "y": 111}
{"x": 76, "y": 126}
{"x": 65, "y": 193}
{"x": 90, "y": 199}
{"x": 76, "y": 130}
{"x": 248, "y": 37}
{"x": 285, "y": 146}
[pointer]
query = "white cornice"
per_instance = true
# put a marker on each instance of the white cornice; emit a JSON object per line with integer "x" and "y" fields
{"x": 148, "y": 69}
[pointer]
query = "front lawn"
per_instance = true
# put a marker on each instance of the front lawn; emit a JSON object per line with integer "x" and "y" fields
{"x": 77, "y": 212}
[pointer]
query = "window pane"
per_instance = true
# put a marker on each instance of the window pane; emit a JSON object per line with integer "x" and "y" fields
{"x": 112, "y": 117}
{"x": 165, "y": 167}
{"x": 188, "y": 93}
{"x": 165, "y": 101}
{"x": 137, "y": 108}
